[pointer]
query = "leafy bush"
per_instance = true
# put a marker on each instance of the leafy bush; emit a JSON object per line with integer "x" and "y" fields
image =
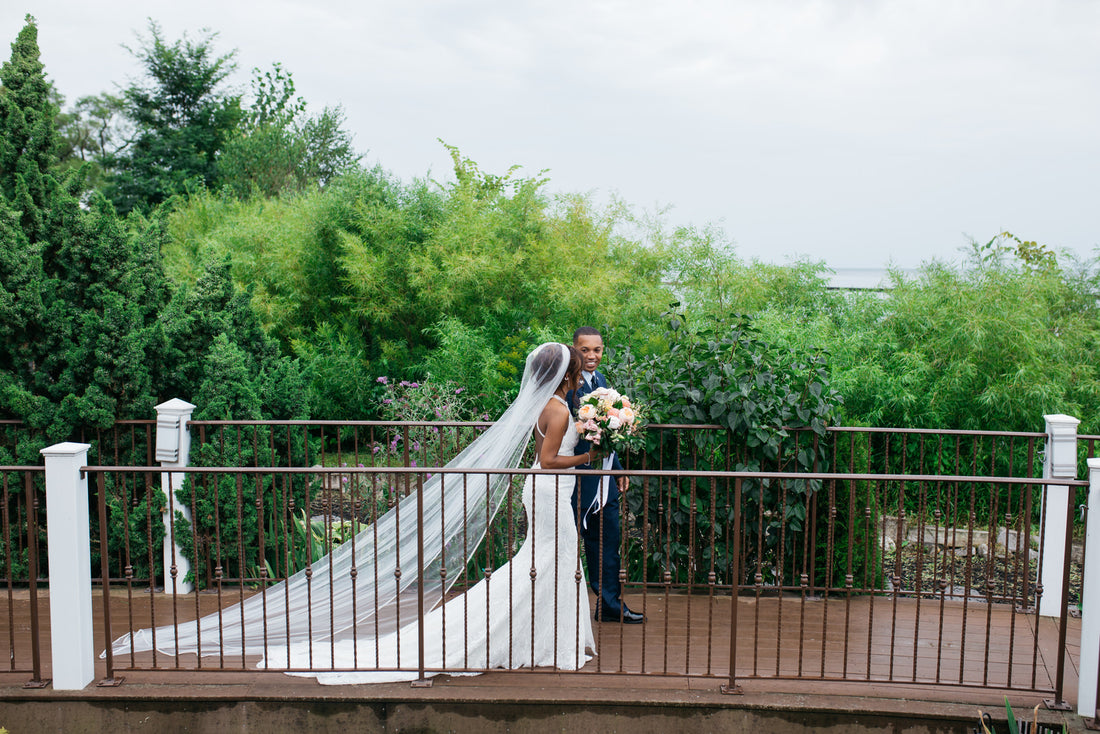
{"x": 759, "y": 394}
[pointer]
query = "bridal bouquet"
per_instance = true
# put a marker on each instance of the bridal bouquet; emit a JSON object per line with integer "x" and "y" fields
{"x": 609, "y": 420}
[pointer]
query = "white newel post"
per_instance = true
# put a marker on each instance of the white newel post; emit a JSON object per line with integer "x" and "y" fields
{"x": 1060, "y": 462}
{"x": 173, "y": 450}
{"x": 1090, "y": 602}
{"x": 70, "y": 558}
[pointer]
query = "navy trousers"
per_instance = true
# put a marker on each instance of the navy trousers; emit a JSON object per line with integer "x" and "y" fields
{"x": 601, "y": 538}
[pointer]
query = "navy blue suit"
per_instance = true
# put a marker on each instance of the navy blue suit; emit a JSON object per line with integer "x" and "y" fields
{"x": 603, "y": 533}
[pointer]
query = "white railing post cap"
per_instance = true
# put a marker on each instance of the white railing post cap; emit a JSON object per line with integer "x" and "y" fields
{"x": 1061, "y": 420}
{"x": 66, "y": 448}
{"x": 1061, "y": 451}
{"x": 170, "y": 418}
{"x": 175, "y": 405}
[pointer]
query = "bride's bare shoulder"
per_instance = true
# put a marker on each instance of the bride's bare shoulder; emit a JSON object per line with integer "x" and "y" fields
{"x": 555, "y": 411}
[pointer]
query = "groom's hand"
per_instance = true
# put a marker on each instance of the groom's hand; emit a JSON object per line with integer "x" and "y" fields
{"x": 624, "y": 484}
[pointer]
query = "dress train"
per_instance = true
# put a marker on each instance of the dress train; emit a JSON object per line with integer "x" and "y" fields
{"x": 531, "y": 612}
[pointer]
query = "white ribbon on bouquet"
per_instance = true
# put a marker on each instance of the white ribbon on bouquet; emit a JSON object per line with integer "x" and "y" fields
{"x": 602, "y": 493}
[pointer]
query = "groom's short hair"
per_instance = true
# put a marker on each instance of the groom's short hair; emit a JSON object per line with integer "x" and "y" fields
{"x": 586, "y": 331}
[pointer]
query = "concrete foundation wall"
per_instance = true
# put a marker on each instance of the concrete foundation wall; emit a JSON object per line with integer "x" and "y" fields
{"x": 346, "y": 716}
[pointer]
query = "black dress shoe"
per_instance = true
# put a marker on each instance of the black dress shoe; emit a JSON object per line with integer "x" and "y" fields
{"x": 626, "y": 616}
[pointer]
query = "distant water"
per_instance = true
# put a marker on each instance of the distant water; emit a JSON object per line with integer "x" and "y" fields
{"x": 864, "y": 278}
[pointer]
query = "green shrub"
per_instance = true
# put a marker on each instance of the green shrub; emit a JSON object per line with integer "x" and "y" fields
{"x": 759, "y": 394}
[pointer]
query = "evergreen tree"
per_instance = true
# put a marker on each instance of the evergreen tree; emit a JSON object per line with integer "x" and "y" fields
{"x": 181, "y": 118}
{"x": 80, "y": 290}
{"x": 28, "y": 138}
{"x": 27, "y": 143}
{"x": 26, "y": 152}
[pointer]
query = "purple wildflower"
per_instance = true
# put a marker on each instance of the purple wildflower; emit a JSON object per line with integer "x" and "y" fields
{"x": 383, "y": 380}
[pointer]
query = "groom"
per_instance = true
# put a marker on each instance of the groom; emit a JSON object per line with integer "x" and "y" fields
{"x": 599, "y": 527}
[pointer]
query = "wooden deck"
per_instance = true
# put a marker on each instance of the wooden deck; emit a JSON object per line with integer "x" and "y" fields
{"x": 801, "y": 666}
{"x": 862, "y": 642}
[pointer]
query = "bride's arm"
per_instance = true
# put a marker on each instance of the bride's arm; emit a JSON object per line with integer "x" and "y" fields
{"x": 556, "y": 421}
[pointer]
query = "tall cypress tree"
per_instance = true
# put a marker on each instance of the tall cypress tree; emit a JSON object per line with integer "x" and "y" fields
{"x": 27, "y": 142}
{"x": 81, "y": 291}
{"x": 28, "y": 135}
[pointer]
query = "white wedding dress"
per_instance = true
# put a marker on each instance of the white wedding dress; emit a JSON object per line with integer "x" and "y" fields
{"x": 531, "y": 612}
{"x": 350, "y": 616}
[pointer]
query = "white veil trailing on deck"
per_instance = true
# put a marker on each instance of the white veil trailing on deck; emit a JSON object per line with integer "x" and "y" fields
{"x": 368, "y": 587}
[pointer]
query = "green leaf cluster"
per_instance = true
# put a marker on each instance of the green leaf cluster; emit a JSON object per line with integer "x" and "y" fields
{"x": 765, "y": 396}
{"x": 368, "y": 276}
{"x": 278, "y": 147}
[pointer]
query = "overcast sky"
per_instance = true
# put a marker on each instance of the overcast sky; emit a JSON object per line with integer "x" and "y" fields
{"x": 857, "y": 133}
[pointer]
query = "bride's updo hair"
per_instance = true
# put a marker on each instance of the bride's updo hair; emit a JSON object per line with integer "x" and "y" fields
{"x": 547, "y": 364}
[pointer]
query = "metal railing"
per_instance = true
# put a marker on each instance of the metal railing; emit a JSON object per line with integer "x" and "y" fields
{"x": 672, "y": 448}
{"x": 124, "y": 442}
{"x": 895, "y": 555}
{"x": 901, "y": 578}
{"x": 22, "y": 550}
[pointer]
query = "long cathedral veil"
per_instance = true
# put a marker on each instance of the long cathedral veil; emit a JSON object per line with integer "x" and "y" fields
{"x": 366, "y": 588}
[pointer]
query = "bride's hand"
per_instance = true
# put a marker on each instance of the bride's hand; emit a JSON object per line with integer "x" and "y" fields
{"x": 598, "y": 454}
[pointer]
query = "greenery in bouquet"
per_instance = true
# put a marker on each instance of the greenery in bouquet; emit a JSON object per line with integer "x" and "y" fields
{"x": 610, "y": 420}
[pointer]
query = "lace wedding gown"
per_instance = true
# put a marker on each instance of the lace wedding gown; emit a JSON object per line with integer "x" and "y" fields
{"x": 531, "y": 612}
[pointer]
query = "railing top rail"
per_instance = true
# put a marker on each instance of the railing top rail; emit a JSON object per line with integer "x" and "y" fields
{"x": 27, "y": 467}
{"x": 448, "y": 424}
{"x": 372, "y": 423}
{"x": 119, "y": 422}
{"x": 935, "y": 431}
{"x": 626, "y": 472}
{"x": 678, "y": 426}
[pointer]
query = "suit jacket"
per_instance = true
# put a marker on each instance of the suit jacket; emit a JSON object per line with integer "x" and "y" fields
{"x": 589, "y": 484}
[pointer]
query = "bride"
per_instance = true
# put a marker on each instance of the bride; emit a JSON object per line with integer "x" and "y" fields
{"x": 353, "y": 616}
